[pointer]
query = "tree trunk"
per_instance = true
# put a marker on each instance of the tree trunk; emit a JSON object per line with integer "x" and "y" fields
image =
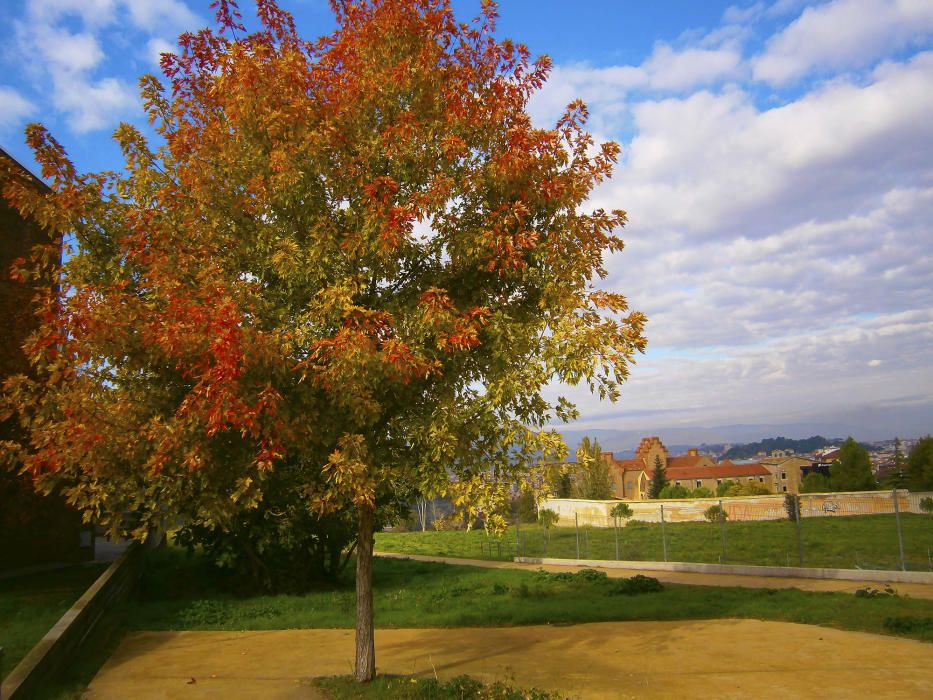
{"x": 365, "y": 640}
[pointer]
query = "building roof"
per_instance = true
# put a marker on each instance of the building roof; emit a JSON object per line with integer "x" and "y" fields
{"x": 723, "y": 470}
{"x": 687, "y": 461}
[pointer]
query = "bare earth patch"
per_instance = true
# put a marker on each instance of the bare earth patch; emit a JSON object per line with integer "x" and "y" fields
{"x": 696, "y": 658}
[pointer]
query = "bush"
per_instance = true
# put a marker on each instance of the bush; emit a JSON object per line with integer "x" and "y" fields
{"x": 701, "y": 492}
{"x": 674, "y": 491}
{"x": 926, "y": 505}
{"x": 635, "y": 585}
{"x": 714, "y": 514}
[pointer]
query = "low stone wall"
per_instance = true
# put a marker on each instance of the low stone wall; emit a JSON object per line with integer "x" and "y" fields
{"x": 738, "y": 508}
{"x": 65, "y": 639}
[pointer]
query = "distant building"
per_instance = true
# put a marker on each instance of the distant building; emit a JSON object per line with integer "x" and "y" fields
{"x": 711, "y": 476}
{"x": 632, "y": 477}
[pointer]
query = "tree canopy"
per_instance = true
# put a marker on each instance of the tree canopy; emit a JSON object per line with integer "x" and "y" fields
{"x": 851, "y": 471}
{"x": 658, "y": 478}
{"x": 920, "y": 465}
{"x": 353, "y": 260}
{"x": 592, "y": 477}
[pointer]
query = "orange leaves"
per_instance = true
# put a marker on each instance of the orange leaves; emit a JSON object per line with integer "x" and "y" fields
{"x": 454, "y": 332}
{"x": 381, "y": 190}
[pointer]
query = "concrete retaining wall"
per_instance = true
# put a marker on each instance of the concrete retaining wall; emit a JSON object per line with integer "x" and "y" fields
{"x": 65, "y": 639}
{"x": 738, "y": 508}
{"x": 778, "y": 571}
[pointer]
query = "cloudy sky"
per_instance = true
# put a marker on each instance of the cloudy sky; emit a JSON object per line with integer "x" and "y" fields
{"x": 777, "y": 170}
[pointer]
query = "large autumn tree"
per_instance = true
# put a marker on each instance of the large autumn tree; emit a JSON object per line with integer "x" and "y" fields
{"x": 354, "y": 260}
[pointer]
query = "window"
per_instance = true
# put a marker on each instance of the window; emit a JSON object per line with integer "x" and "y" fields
{"x": 751, "y": 478}
{"x": 784, "y": 488}
{"x": 761, "y": 480}
{"x": 784, "y": 476}
{"x": 699, "y": 483}
{"x": 676, "y": 483}
{"x": 718, "y": 482}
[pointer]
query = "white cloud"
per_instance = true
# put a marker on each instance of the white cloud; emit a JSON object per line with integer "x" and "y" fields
{"x": 65, "y": 51}
{"x": 714, "y": 164}
{"x": 92, "y": 105}
{"x": 668, "y": 69}
{"x": 149, "y": 15}
{"x": 63, "y": 40}
{"x": 843, "y": 34}
{"x": 14, "y": 108}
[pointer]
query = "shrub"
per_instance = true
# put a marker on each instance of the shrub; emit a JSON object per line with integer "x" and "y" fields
{"x": 926, "y": 505}
{"x": 635, "y": 585}
{"x": 674, "y": 491}
{"x": 714, "y": 514}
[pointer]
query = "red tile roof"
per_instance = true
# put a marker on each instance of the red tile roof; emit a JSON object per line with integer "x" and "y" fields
{"x": 723, "y": 470}
{"x": 687, "y": 461}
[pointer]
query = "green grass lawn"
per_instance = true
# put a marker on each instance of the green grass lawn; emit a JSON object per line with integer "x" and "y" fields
{"x": 868, "y": 541}
{"x": 31, "y": 605}
{"x": 178, "y": 594}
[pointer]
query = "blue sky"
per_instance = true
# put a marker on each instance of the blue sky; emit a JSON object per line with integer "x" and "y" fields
{"x": 776, "y": 169}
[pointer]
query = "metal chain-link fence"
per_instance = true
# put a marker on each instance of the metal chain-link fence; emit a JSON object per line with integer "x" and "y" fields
{"x": 817, "y": 530}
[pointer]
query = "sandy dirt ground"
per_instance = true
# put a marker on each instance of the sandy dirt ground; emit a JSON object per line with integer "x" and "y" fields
{"x": 721, "y": 659}
{"x": 914, "y": 590}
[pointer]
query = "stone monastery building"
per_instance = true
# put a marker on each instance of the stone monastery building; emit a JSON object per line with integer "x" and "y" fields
{"x": 632, "y": 477}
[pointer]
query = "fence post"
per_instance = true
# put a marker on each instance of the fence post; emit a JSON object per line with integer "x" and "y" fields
{"x": 576, "y": 524}
{"x": 900, "y": 536}
{"x": 586, "y": 542}
{"x": 797, "y": 506}
{"x": 663, "y": 534}
{"x": 722, "y": 532}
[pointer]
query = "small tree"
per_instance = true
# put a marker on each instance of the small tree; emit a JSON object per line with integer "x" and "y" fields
{"x": 852, "y": 470}
{"x": 658, "y": 478}
{"x": 926, "y": 505}
{"x": 920, "y": 465}
{"x": 701, "y": 492}
{"x": 896, "y": 477}
{"x": 792, "y": 506}
{"x": 621, "y": 511}
{"x": 356, "y": 258}
{"x": 715, "y": 514}
{"x": 592, "y": 477}
{"x": 548, "y": 518}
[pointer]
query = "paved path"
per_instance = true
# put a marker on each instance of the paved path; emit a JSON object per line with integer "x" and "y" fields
{"x": 725, "y": 659}
{"x": 914, "y": 590}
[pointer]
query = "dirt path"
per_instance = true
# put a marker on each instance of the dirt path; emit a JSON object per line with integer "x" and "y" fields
{"x": 688, "y": 659}
{"x": 914, "y": 590}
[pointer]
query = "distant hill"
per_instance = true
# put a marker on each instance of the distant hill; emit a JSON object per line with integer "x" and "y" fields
{"x": 778, "y": 443}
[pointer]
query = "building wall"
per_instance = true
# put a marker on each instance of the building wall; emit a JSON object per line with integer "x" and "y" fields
{"x": 34, "y": 529}
{"x": 712, "y": 484}
{"x": 786, "y": 473}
